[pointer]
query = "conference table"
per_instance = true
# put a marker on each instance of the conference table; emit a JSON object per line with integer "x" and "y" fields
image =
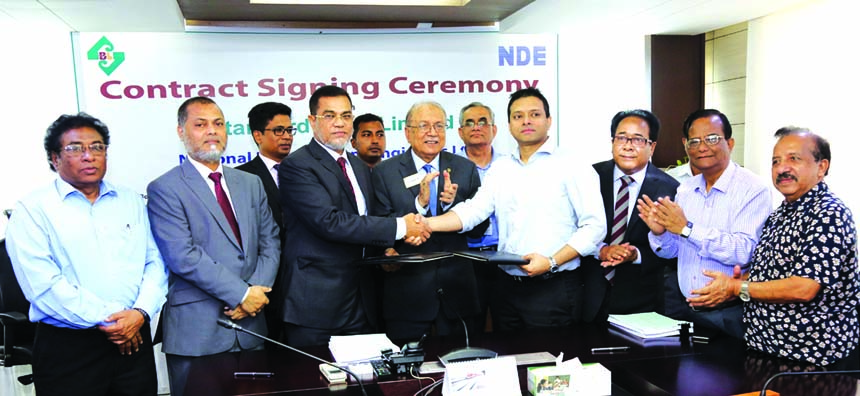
{"x": 721, "y": 366}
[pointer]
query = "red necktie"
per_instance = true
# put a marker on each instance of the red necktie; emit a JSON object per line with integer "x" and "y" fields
{"x": 342, "y": 162}
{"x": 224, "y": 203}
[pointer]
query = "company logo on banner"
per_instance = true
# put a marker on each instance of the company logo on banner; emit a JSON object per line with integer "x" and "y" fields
{"x": 103, "y": 52}
{"x": 384, "y": 74}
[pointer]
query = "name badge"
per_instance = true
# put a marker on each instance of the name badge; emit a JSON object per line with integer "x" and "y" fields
{"x": 413, "y": 180}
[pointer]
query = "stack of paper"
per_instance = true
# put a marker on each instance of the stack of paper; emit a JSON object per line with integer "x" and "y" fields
{"x": 647, "y": 325}
{"x": 488, "y": 377}
{"x": 362, "y": 347}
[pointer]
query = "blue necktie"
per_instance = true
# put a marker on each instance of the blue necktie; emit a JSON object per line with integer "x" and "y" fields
{"x": 433, "y": 193}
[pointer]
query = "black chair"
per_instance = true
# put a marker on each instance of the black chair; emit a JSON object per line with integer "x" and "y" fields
{"x": 18, "y": 332}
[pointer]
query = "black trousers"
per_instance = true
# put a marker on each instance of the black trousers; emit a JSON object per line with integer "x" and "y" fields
{"x": 521, "y": 303}
{"x": 83, "y": 362}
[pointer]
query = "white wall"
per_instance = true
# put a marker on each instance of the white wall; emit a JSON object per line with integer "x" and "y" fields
{"x": 802, "y": 69}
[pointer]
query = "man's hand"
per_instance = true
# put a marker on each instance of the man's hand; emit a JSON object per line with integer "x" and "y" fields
{"x": 721, "y": 289}
{"x": 236, "y": 313}
{"x": 612, "y": 255}
{"x": 424, "y": 188}
{"x": 648, "y": 213}
{"x": 537, "y": 265}
{"x": 132, "y": 345}
{"x": 670, "y": 215}
{"x": 255, "y": 300}
{"x": 390, "y": 267}
{"x": 123, "y": 326}
{"x": 417, "y": 230}
{"x": 450, "y": 189}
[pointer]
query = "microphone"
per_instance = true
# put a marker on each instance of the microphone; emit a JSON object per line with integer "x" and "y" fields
{"x": 227, "y": 323}
{"x": 467, "y": 353}
{"x": 794, "y": 373}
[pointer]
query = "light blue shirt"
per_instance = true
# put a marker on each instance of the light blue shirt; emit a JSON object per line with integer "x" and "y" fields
{"x": 491, "y": 236}
{"x": 551, "y": 201}
{"x": 79, "y": 262}
{"x": 727, "y": 223}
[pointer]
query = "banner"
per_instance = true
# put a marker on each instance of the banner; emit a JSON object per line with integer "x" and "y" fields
{"x": 135, "y": 82}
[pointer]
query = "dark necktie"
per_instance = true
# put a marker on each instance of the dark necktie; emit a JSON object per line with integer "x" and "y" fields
{"x": 224, "y": 203}
{"x": 433, "y": 193}
{"x": 276, "y": 167}
{"x": 619, "y": 222}
{"x": 342, "y": 162}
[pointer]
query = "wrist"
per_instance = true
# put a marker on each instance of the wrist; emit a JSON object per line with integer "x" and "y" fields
{"x": 143, "y": 314}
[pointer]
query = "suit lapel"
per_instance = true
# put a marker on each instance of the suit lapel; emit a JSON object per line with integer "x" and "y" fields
{"x": 200, "y": 188}
{"x": 242, "y": 206}
{"x": 328, "y": 163}
{"x": 647, "y": 188}
{"x": 608, "y": 193}
{"x": 268, "y": 183}
{"x": 407, "y": 168}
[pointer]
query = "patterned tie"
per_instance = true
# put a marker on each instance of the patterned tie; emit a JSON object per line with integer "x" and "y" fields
{"x": 433, "y": 193}
{"x": 224, "y": 203}
{"x": 619, "y": 222}
{"x": 342, "y": 162}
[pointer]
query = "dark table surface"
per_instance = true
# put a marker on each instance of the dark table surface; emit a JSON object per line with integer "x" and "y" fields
{"x": 721, "y": 367}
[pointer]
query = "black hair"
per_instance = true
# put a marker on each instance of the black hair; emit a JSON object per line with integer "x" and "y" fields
{"x": 822, "y": 146}
{"x": 727, "y": 126}
{"x": 328, "y": 91}
{"x": 524, "y": 93}
{"x": 261, "y": 114}
{"x": 649, "y": 117}
{"x": 368, "y": 117}
{"x": 67, "y": 122}
{"x": 182, "y": 113}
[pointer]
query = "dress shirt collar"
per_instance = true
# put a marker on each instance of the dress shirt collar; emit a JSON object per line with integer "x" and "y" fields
{"x": 723, "y": 184}
{"x": 419, "y": 162}
{"x": 547, "y": 148}
{"x": 333, "y": 153}
{"x": 638, "y": 177}
{"x": 64, "y": 189}
{"x": 270, "y": 163}
{"x": 494, "y": 155}
{"x": 809, "y": 197}
{"x": 204, "y": 170}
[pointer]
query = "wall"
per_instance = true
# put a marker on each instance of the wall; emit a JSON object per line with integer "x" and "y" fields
{"x": 802, "y": 70}
{"x": 726, "y": 79}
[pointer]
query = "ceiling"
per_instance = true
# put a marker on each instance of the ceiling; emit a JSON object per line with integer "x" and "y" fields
{"x": 532, "y": 16}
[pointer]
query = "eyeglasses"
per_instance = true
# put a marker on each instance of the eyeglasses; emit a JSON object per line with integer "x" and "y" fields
{"x": 330, "y": 117}
{"x": 479, "y": 124}
{"x": 637, "y": 141}
{"x": 279, "y": 131}
{"x": 710, "y": 140}
{"x": 77, "y": 149}
{"x": 424, "y": 127}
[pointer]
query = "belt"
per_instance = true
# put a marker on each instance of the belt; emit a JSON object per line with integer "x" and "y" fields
{"x": 485, "y": 248}
{"x": 727, "y": 304}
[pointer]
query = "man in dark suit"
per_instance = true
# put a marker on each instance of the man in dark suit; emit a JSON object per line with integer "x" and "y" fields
{"x": 273, "y": 131}
{"x": 428, "y": 180}
{"x": 326, "y": 194}
{"x": 625, "y": 276}
{"x": 215, "y": 231}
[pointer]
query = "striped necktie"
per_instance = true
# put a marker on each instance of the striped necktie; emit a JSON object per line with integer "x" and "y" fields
{"x": 619, "y": 222}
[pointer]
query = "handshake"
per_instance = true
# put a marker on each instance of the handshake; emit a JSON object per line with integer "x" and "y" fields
{"x": 417, "y": 229}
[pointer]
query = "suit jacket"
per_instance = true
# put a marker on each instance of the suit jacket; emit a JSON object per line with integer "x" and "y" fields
{"x": 258, "y": 167}
{"x": 325, "y": 235}
{"x": 208, "y": 268}
{"x": 637, "y": 287}
{"x": 410, "y": 292}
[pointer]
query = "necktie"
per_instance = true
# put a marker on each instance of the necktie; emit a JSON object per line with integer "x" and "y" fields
{"x": 434, "y": 199}
{"x": 619, "y": 222}
{"x": 224, "y": 203}
{"x": 277, "y": 178}
{"x": 342, "y": 162}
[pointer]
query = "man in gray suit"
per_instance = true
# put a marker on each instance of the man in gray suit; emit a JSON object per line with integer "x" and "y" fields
{"x": 216, "y": 233}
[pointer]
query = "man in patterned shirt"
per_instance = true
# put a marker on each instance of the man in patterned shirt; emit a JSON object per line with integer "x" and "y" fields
{"x": 801, "y": 295}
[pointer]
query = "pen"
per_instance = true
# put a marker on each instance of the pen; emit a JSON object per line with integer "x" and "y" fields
{"x": 253, "y": 374}
{"x": 610, "y": 349}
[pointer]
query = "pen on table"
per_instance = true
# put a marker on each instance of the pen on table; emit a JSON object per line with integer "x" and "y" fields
{"x": 253, "y": 374}
{"x": 610, "y": 349}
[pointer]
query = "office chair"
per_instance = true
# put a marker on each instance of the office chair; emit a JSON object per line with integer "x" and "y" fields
{"x": 18, "y": 332}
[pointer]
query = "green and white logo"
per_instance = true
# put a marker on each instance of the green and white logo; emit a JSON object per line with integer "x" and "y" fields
{"x": 108, "y": 59}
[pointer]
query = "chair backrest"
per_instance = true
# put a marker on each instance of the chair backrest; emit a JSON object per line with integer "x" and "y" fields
{"x": 11, "y": 297}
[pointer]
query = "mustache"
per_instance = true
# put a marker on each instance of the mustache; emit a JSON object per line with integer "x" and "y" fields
{"x": 786, "y": 175}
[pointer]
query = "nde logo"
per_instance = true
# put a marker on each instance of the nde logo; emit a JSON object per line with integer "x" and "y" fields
{"x": 103, "y": 52}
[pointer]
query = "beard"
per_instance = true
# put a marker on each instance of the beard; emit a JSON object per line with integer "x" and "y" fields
{"x": 203, "y": 154}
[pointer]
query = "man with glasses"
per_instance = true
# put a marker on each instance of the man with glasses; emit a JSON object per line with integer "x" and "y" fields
{"x": 549, "y": 211}
{"x": 326, "y": 194}
{"x": 368, "y": 138}
{"x": 85, "y": 258}
{"x": 713, "y": 225}
{"x": 427, "y": 180}
{"x": 273, "y": 131}
{"x": 624, "y": 275}
{"x": 477, "y": 131}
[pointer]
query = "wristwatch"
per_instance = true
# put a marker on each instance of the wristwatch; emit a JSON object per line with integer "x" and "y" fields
{"x": 745, "y": 291}
{"x": 685, "y": 232}
{"x": 553, "y": 266}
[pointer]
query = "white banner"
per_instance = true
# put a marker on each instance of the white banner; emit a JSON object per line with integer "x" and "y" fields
{"x": 135, "y": 82}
